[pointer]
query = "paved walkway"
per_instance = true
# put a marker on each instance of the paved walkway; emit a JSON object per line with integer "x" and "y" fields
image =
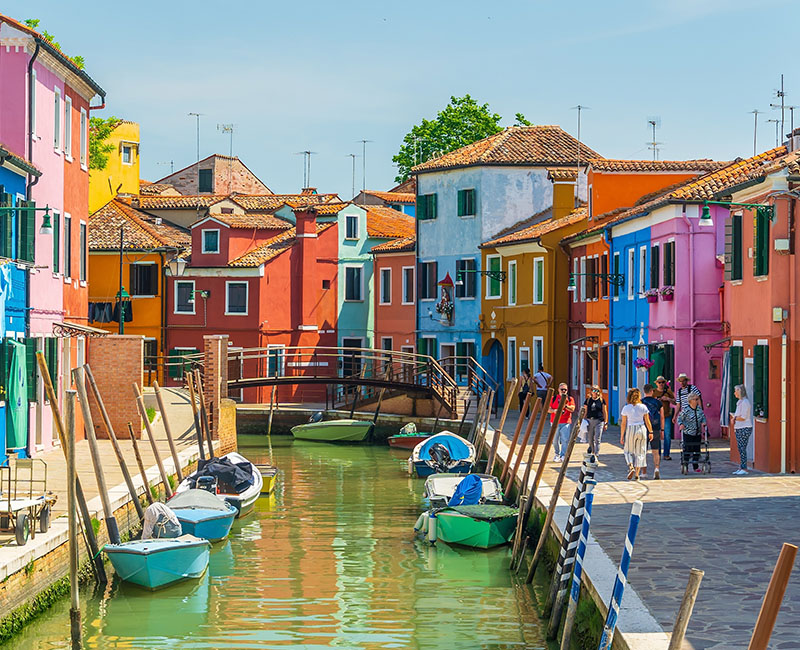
{"x": 731, "y": 527}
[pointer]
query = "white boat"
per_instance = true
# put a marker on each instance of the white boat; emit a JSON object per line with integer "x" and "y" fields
{"x": 444, "y": 452}
{"x": 235, "y": 479}
{"x": 439, "y": 488}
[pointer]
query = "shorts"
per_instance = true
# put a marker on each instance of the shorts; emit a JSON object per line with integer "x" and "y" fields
{"x": 655, "y": 443}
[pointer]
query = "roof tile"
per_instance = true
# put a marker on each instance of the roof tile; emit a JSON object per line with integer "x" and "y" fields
{"x": 535, "y": 231}
{"x": 142, "y": 231}
{"x": 697, "y": 165}
{"x": 402, "y": 245}
{"x": 273, "y": 247}
{"x": 388, "y": 223}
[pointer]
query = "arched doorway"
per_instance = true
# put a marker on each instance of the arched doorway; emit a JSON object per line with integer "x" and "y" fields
{"x": 493, "y": 362}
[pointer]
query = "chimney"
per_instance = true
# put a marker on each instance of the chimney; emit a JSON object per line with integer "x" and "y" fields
{"x": 793, "y": 144}
{"x": 564, "y": 191}
{"x": 306, "y": 234}
{"x": 307, "y": 191}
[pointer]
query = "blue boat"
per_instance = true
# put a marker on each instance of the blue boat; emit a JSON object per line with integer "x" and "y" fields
{"x": 156, "y": 563}
{"x": 443, "y": 453}
{"x": 203, "y": 514}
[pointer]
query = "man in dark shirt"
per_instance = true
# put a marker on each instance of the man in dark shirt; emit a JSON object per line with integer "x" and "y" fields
{"x": 654, "y": 406}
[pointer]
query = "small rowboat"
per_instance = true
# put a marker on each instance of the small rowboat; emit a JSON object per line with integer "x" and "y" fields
{"x": 407, "y": 440}
{"x": 479, "y": 526}
{"x": 333, "y": 430}
{"x": 156, "y": 563}
{"x": 443, "y": 453}
{"x": 238, "y": 481}
{"x": 203, "y": 514}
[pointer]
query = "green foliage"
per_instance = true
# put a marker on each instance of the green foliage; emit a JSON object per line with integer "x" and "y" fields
{"x": 29, "y": 568}
{"x": 173, "y": 482}
{"x": 79, "y": 62}
{"x": 95, "y": 525}
{"x": 155, "y": 492}
{"x": 99, "y": 131}
{"x": 32, "y": 22}
{"x": 151, "y": 414}
{"x": 588, "y": 624}
{"x": 521, "y": 120}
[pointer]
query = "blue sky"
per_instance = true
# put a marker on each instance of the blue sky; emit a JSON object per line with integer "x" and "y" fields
{"x": 317, "y": 75}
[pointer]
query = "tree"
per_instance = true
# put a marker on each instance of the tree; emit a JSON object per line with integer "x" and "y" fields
{"x": 461, "y": 122}
{"x": 99, "y": 131}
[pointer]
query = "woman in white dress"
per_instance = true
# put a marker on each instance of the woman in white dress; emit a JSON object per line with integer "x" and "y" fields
{"x": 635, "y": 430}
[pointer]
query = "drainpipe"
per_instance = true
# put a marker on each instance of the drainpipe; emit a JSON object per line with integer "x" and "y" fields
{"x": 783, "y": 401}
{"x": 31, "y": 108}
{"x": 691, "y": 286}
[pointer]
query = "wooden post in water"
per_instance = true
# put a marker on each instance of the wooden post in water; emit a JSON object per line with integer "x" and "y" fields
{"x": 554, "y": 499}
{"x": 499, "y": 431}
{"x": 535, "y": 445}
{"x": 198, "y": 383}
{"x": 114, "y": 443}
{"x": 88, "y": 425}
{"x": 72, "y": 522}
{"x": 272, "y": 407}
{"x": 91, "y": 541}
{"x": 197, "y": 426}
{"x": 773, "y": 598}
{"x": 685, "y": 610}
{"x": 478, "y": 415}
{"x": 172, "y": 449}
{"x": 151, "y": 436}
{"x": 517, "y": 429}
{"x": 525, "y": 437}
{"x": 480, "y": 434}
{"x": 464, "y": 415}
{"x": 139, "y": 462}
{"x": 436, "y": 421}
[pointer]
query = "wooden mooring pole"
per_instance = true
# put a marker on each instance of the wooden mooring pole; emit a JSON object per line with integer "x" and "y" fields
{"x": 773, "y": 598}
{"x": 535, "y": 445}
{"x": 499, "y": 431}
{"x": 523, "y": 444}
{"x": 172, "y": 449}
{"x": 197, "y": 427}
{"x": 480, "y": 434}
{"x": 143, "y": 412}
{"x": 72, "y": 523}
{"x": 515, "y": 437}
{"x": 685, "y": 610}
{"x": 139, "y": 462}
{"x": 198, "y": 383}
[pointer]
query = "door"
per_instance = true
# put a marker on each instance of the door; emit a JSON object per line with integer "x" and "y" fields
{"x": 448, "y": 352}
{"x": 749, "y": 383}
{"x": 622, "y": 377}
{"x": 494, "y": 366}
{"x": 351, "y": 360}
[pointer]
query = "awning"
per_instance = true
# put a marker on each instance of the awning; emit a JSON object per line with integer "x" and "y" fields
{"x": 69, "y": 330}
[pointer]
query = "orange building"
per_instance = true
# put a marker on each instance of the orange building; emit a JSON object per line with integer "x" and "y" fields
{"x": 395, "y": 294}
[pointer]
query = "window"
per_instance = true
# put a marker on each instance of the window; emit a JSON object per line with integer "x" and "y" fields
{"x": 465, "y": 274}
{"x": 760, "y": 380}
{"x": 538, "y": 281}
{"x": 276, "y": 362}
{"x": 642, "y": 269}
{"x": 386, "y": 343}
{"x": 144, "y": 279}
{"x": 582, "y": 279}
{"x": 427, "y": 345}
{"x": 386, "y": 286}
{"x": 604, "y": 278}
{"x": 575, "y": 279}
{"x": 26, "y": 230}
{"x": 326, "y": 284}
{"x": 68, "y": 127}
{"x": 733, "y": 247}
{"x": 427, "y": 281}
{"x": 464, "y": 350}
{"x": 352, "y": 284}
{"x": 205, "y": 180}
{"x": 591, "y": 279}
{"x": 736, "y": 373}
{"x": 236, "y": 298}
{"x": 524, "y": 359}
{"x": 631, "y": 273}
{"x": 575, "y": 374}
{"x": 211, "y": 241}
{"x": 512, "y": 283}
{"x": 616, "y": 270}
{"x": 669, "y": 264}
{"x": 655, "y": 266}
{"x": 538, "y": 353}
{"x": 184, "y": 297}
{"x": 127, "y": 154}
{"x": 151, "y": 354}
{"x": 512, "y": 357}
{"x": 351, "y": 226}
{"x": 51, "y": 357}
{"x": 56, "y": 241}
{"x": 761, "y": 243}
{"x": 57, "y": 120}
{"x": 408, "y": 285}
{"x": 84, "y": 138}
{"x": 466, "y": 203}
{"x": 67, "y": 246}
{"x": 84, "y": 253}
{"x": 602, "y": 379}
{"x": 493, "y": 287}
{"x": 426, "y": 206}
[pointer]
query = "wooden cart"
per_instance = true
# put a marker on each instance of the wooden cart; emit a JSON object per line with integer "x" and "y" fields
{"x": 24, "y": 499}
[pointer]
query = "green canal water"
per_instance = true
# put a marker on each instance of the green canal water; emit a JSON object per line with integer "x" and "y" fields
{"x": 328, "y": 561}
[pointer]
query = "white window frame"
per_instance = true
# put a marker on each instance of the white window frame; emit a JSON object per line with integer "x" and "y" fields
{"x": 33, "y": 102}
{"x": 535, "y": 361}
{"x": 605, "y": 285}
{"x": 659, "y": 266}
{"x": 408, "y": 349}
{"x": 57, "y": 121}
{"x": 435, "y": 296}
{"x": 347, "y": 218}
{"x": 512, "y": 287}
{"x": 538, "y": 272}
{"x": 175, "y": 309}
{"x": 205, "y": 250}
{"x": 281, "y": 357}
{"x": 406, "y": 270}
{"x": 582, "y": 279}
{"x": 631, "y": 272}
{"x": 465, "y": 277}
{"x": 83, "y": 262}
{"x": 360, "y": 267}
{"x": 615, "y": 263}
{"x": 576, "y": 278}
{"x": 84, "y": 154}
{"x": 511, "y": 346}
{"x": 131, "y": 288}
{"x": 524, "y": 352}
{"x": 68, "y": 128}
{"x": 246, "y": 311}
{"x": 489, "y": 259}
{"x": 391, "y": 343}
{"x": 642, "y": 270}
{"x": 383, "y": 284}
{"x": 130, "y": 157}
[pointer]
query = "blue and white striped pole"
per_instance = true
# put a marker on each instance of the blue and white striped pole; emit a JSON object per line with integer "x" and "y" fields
{"x": 577, "y": 571}
{"x": 622, "y": 578}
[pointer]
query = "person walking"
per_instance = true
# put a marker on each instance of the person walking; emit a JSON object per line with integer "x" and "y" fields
{"x": 685, "y": 390}
{"x": 692, "y": 423}
{"x": 742, "y": 424}
{"x": 542, "y": 380}
{"x": 667, "y": 397}
{"x": 597, "y": 417}
{"x": 562, "y": 432}
{"x": 656, "y": 412}
{"x": 524, "y": 388}
{"x": 634, "y": 430}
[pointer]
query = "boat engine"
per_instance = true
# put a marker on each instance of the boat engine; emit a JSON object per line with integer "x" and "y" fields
{"x": 316, "y": 417}
{"x": 440, "y": 457}
{"x": 207, "y": 483}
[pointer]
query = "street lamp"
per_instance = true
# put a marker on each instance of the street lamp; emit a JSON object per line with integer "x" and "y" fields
{"x": 616, "y": 279}
{"x": 500, "y": 276}
{"x": 176, "y": 266}
{"x": 122, "y": 295}
{"x": 47, "y": 226}
{"x": 763, "y": 209}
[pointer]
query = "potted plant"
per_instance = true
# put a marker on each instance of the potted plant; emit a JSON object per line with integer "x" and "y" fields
{"x": 651, "y": 295}
{"x": 643, "y": 364}
{"x": 668, "y": 292}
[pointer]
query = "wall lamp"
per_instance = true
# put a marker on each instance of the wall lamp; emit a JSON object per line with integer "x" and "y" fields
{"x": 46, "y": 227}
{"x": 762, "y": 209}
{"x": 500, "y": 276}
{"x": 615, "y": 279}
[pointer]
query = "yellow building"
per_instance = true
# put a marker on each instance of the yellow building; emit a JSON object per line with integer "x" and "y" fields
{"x": 528, "y": 312}
{"x": 121, "y": 175}
{"x": 149, "y": 243}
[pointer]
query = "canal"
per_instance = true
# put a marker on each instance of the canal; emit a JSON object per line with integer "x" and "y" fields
{"x": 328, "y": 560}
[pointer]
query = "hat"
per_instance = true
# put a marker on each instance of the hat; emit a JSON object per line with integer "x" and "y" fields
{"x": 660, "y": 378}
{"x": 683, "y": 375}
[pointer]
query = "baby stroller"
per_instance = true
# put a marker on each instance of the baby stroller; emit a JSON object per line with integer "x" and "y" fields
{"x": 701, "y": 457}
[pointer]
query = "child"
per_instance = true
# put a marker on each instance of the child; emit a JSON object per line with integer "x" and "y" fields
{"x": 654, "y": 406}
{"x": 692, "y": 422}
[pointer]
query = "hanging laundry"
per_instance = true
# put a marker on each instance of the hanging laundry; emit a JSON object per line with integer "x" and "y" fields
{"x": 128, "y": 312}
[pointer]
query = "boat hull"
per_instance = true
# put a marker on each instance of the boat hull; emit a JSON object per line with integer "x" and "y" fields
{"x": 423, "y": 470}
{"x": 333, "y": 431}
{"x": 213, "y": 525}
{"x": 157, "y": 563}
{"x": 243, "y": 501}
{"x": 456, "y": 528}
{"x": 407, "y": 442}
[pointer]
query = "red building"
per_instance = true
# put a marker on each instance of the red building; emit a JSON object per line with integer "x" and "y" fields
{"x": 267, "y": 284}
{"x": 395, "y": 294}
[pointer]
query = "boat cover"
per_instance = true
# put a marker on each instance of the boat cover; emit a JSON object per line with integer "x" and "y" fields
{"x": 198, "y": 499}
{"x": 160, "y": 522}
{"x": 485, "y": 511}
{"x": 408, "y": 430}
{"x": 236, "y": 476}
{"x": 468, "y": 491}
{"x": 456, "y": 447}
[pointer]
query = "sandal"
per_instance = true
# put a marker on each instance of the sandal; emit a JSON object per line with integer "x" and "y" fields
{"x": 631, "y": 472}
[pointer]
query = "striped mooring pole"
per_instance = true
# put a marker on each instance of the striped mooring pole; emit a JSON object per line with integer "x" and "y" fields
{"x": 622, "y": 578}
{"x": 577, "y": 572}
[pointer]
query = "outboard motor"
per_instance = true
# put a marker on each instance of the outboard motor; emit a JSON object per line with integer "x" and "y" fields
{"x": 316, "y": 417}
{"x": 440, "y": 457}
{"x": 207, "y": 483}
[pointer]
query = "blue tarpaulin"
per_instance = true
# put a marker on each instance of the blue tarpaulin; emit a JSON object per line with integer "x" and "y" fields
{"x": 468, "y": 492}
{"x": 456, "y": 447}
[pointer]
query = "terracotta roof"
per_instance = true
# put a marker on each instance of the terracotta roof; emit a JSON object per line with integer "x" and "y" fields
{"x": 155, "y": 189}
{"x": 402, "y": 245}
{"x": 698, "y": 165}
{"x": 18, "y": 161}
{"x": 142, "y": 232}
{"x": 388, "y": 223}
{"x": 273, "y": 247}
{"x": 166, "y": 202}
{"x": 535, "y": 231}
{"x": 257, "y": 221}
{"x": 323, "y": 209}
{"x": 515, "y": 145}
{"x": 393, "y": 197}
{"x": 408, "y": 187}
{"x": 271, "y": 202}
{"x": 562, "y": 173}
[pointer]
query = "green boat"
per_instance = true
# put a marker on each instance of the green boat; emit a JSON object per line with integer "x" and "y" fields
{"x": 333, "y": 430}
{"x": 480, "y": 526}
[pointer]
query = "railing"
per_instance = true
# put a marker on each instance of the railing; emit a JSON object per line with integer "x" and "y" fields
{"x": 170, "y": 369}
{"x": 478, "y": 379}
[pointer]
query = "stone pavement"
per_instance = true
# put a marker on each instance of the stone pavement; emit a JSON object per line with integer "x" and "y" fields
{"x": 731, "y": 527}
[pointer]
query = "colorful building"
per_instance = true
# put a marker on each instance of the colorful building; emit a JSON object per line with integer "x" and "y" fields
{"x": 121, "y": 173}
{"x": 216, "y": 174}
{"x": 395, "y": 296}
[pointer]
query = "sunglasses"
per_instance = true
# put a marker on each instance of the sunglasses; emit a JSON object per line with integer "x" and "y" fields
{"x": 596, "y": 391}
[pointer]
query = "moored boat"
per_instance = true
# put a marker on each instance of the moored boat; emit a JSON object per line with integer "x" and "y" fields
{"x": 333, "y": 430}
{"x": 203, "y": 514}
{"x": 156, "y": 563}
{"x": 440, "y": 488}
{"x": 407, "y": 440}
{"x": 478, "y": 526}
{"x": 234, "y": 479}
{"x": 443, "y": 453}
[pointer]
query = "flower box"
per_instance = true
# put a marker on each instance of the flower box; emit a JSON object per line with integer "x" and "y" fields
{"x": 668, "y": 296}
{"x": 652, "y": 298}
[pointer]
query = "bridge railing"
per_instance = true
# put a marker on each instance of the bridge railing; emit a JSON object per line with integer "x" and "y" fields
{"x": 477, "y": 378}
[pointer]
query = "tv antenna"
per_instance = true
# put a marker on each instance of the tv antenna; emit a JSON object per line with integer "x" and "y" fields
{"x": 364, "y": 163}
{"x": 654, "y": 123}
{"x": 171, "y": 164}
{"x": 579, "y": 108}
{"x": 755, "y": 112}
{"x": 791, "y": 117}
{"x": 354, "y": 156}
{"x": 229, "y": 128}
{"x": 197, "y": 120}
{"x": 781, "y": 94}
{"x": 777, "y": 126}
{"x": 306, "y": 165}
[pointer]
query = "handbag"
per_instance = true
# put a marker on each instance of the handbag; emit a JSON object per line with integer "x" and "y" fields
{"x": 583, "y": 432}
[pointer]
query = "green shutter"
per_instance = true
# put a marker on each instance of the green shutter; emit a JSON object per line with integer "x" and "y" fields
{"x": 736, "y": 372}
{"x": 434, "y": 205}
{"x": 30, "y": 231}
{"x": 654, "y": 267}
{"x": 421, "y": 211}
{"x": 176, "y": 367}
{"x": 56, "y": 240}
{"x": 4, "y": 359}
{"x": 761, "y": 241}
{"x": 461, "y": 202}
{"x": 8, "y": 228}
{"x": 33, "y": 373}
{"x": 736, "y": 247}
{"x": 760, "y": 380}
{"x": 422, "y": 346}
{"x": 51, "y": 356}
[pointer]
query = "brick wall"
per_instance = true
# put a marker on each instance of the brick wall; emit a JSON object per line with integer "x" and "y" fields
{"x": 215, "y": 377}
{"x": 117, "y": 362}
{"x": 242, "y": 180}
{"x": 227, "y": 426}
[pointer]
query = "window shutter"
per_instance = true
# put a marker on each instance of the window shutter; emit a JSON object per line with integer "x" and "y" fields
{"x": 736, "y": 248}
{"x": 56, "y": 241}
{"x": 737, "y": 372}
{"x": 29, "y": 219}
{"x": 8, "y": 228}
{"x": 461, "y": 200}
{"x": 32, "y": 372}
{"x": 728, "y": 250}
{"x": 760, "y": 380}
{"x": 761, "y": 237}
{"x": 421, "y": 207}
{"x": 434, "y": 206}
{"x": 4, "y": 361}
{"x": 432, "y": 280}
{"x": 604, "y": 272}
{"x": 654, "y": 267}
{"x": 422, "y": 347}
